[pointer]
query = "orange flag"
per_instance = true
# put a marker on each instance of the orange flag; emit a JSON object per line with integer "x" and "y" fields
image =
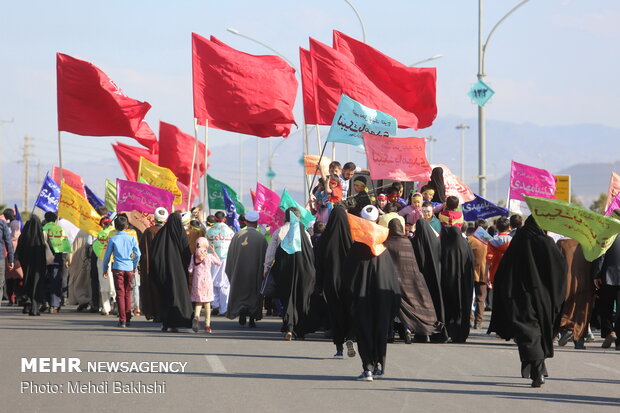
{"x": 368, "y": 233}
{"x": 311, "y": 161}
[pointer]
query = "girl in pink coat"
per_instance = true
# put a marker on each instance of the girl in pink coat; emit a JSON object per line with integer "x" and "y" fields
{"x": 202, "y": 282}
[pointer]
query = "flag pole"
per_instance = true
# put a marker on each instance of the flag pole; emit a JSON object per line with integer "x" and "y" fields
{"x": 60, "y": 159}
{"x": 318, "y": 168}
{"x": 191, "y": 172}
{"x": 205, "y": 192}
{"x": 305, "y": 177}
{"x": 318, "y": 138}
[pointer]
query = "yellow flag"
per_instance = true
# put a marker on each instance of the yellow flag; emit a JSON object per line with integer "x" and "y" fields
{"x": 160, "y": 177}
{"x": 595, "y": 232}
{"x": 75, "y": 208}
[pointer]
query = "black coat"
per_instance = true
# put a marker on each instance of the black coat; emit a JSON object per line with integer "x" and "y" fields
{"x": 373, "y": 299}
{"x": 529, "y": 290}
{"x": 169, "y": 269}
{"x": 607, "y": 266}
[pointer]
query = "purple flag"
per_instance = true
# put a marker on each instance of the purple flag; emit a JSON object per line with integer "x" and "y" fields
{"x": 141, "y": 197}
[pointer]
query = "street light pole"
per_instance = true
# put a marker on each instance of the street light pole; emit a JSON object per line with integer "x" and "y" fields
{"x": 303, "y": 126}
{"x": 358, "y": 18}
{"x": 482, "y": 133}
{"x": 437, "y": 56}
{"x": 462, "y": 128}
{"x": 430, "y": 141}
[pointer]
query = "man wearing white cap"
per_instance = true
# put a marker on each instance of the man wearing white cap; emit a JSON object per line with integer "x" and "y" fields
{"x": 220, "y": 235}
{"x": 245, "y": 271}
{"x": 149, "y": 292}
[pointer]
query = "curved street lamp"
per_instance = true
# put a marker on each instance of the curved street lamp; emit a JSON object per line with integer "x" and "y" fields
{"x": 437, "y": 56}
{"x": 358, "y": 18}
{"x": 482, "y": 48}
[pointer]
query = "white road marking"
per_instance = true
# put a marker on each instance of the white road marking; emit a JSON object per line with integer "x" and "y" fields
{"x": 599, "y": 366}
{"x": 216, "y": 364}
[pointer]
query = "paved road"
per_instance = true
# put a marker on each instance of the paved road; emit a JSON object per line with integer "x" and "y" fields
{"x": 237, "y": 369}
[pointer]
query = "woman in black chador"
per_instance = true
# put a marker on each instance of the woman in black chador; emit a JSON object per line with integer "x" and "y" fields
{"x": 31, "y": 254}
{"x": 529, "y": 289}
{"x": 330, "y": 252}
{"x": 169, "y": 263}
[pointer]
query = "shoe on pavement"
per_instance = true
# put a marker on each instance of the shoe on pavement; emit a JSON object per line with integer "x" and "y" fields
{"x": 195, "y": 324}
{"x": 208, "y": 330}
{"x": 252, "y": 323}
{"x": 378, "y": 373}
{"x": 580, "y": 344}
{"x": 288, "y": 336}
{"x": 350, "y": 348}
{"x": 122, "y": 324}
{"x": 564, "y": 337}
{"x": 365, "y": 376}
{"x": 338, "y": 355}
{"x": 590, "y": 338}
{"x": 539, "y": 381}
{"x": 242, "y": 320}
{"x": 408, "y": 337}
{"x": 611, "y": 337}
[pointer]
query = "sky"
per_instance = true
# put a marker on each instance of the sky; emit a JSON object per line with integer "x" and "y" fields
{"x": 552, "y": 62}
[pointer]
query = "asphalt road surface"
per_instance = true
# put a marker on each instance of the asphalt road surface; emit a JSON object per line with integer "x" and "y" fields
{"x": 238, "y": 369}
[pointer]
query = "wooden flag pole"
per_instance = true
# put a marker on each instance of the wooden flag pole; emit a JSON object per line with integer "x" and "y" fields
{"x": 60, "y": 160}
{"x": 205, "y": 192}
{"x": 306, "y": 181}
{"x": 318, "y": 168}
{"x": 318, "y": 138}
{"x": 191, "y": 173}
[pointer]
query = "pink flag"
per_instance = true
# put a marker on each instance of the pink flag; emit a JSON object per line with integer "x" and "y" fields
{"x": 614, "y": 189}
{"x": 615, "y": 204}
{"x": 454, "y": 186}
{"x": 135, "y": 196}
{"x": 186, "y": 203}
{"x": 400, "y": 159}
{"x": 266, "y": 204}
{"x": 530, "y": 181}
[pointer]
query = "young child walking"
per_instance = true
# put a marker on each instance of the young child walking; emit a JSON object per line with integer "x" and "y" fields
{"x": 202, "y": 282}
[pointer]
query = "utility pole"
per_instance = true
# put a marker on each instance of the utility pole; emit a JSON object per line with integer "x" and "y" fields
{"x": 462, "y": 128}
{"x": 2, "y": 122}
{"x": 430, "y": 141}
{"x": 25, "y": 160}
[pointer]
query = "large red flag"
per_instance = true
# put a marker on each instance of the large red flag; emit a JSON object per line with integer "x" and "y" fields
{"x": 90, "y": 103}
{"x": 72, "y": 179}
{"x": 146, "y": 137}
{"x": 129, "y": 158}
{"x": 413, "y": 88}
{"x": 307, "y": 87}
{"x": 335, "y": 74}
{"x": 240, "y": 92}
{"x": 177, "y": 150}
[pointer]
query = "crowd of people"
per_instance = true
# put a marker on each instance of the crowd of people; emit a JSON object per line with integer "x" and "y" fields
{"x": 420, "y": 273}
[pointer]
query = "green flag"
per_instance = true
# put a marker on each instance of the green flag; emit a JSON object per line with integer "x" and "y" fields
{"x": 216, "y": 199}
{"x": 593, "y": 231}
{"x": 110, "y": 195}
{"x": 287, "y": 201}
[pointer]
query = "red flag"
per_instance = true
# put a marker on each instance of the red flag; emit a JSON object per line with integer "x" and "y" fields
{"x": 90, "y": 103}
{"x": 72, "y": 179}
{"x": 253, "y": 195}
{"x": 129, "y": 158}
{"x": 307, "y": 87}
{"x": 177, "y": 152}
{"x": 185, "y": 195}
{"x": 413, "y": 88}
{"x": 146, "y": 137}
{"x": 335, "y": 74}
{"x": 240, "y": 92}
